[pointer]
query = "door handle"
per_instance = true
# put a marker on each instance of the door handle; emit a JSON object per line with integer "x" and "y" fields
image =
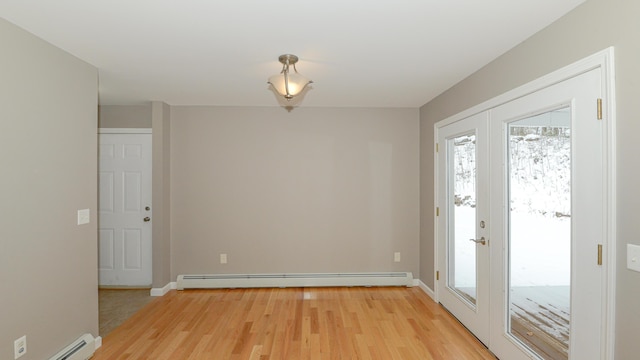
{"x": 479, "y": 241}
{"x": 147, "y": 219}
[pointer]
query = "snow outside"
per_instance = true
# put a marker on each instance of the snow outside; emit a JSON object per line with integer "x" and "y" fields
{"x": 540, "y": 218}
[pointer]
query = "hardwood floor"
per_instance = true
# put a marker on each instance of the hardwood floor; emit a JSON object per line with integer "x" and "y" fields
{"x": 293, "y": 323}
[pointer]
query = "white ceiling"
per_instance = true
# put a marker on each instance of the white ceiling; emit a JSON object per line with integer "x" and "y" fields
{"x": 360, "y": 53}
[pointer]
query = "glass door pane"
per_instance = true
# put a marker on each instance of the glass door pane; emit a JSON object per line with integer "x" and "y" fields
{"x": 462, "y": 207}
{"x": 539, "y": 240}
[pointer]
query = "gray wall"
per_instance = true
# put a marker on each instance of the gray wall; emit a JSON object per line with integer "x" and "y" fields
{"x": 48, "y": 152}
{"x": 312, "y": 190}
{"x": 593, "y": 26}
{"x": 125, "y": 116}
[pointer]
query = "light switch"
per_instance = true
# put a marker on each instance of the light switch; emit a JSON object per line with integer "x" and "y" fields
{"x": 633, "y": 257}
{"x": 83, "y": 216}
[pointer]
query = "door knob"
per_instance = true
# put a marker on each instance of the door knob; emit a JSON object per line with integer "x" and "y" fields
{"x": 479, "y": 241}
{"x": 147, "y": 219}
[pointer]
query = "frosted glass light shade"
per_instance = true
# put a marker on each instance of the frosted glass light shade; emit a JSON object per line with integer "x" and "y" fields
{"x": 289, "y": 84}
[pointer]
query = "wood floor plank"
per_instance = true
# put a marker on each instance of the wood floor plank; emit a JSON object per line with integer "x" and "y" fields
{"x": 293, "y": 323}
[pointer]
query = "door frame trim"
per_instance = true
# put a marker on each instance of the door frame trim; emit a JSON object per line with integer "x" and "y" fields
{"x": 604, "y": 61}
{"x": 125, "y": 131}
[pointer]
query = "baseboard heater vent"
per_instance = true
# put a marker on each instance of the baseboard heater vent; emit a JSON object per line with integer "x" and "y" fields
{"x": 293, "y": 280}
{"x": 81, "y": 349}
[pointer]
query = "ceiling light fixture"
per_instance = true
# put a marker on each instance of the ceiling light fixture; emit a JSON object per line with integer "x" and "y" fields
{"x": 289, "y": 84}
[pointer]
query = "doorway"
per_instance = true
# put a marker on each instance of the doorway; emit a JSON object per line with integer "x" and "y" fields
{"x": 124, "y": 225}
{"x": 523, "y": 204}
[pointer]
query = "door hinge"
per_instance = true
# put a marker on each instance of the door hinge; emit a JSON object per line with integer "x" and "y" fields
{"x": 437, "y": 275}
{"x": 599, "y": 254}
{"x": 437, "y": 147}
{"x": 599, "y": 109}
{"x": 437, "y": 211}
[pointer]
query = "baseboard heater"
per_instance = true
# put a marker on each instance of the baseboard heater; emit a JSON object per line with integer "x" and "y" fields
{"x": 218, "y": 281}
{"x": 81, "y": 349}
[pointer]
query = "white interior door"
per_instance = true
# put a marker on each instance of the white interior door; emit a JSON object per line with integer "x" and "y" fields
{"x": 125, "y": 210}
{"x": 548, "y": 221}
{"x": 462, "y": 239}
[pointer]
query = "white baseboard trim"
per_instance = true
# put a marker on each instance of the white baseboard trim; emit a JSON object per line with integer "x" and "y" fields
{"x": 426, "y": 289}
{"x": 98, "y": 342}
{"x": 163, "y": 290}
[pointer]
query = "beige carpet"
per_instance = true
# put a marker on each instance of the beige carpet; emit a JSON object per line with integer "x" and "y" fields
{"x": 117, "y": 305}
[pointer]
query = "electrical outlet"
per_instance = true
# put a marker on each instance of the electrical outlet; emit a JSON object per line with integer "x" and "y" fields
{"x": 223, "y": 258}
{"x": 396, "y": 257}
{"x": 20, "y": 347}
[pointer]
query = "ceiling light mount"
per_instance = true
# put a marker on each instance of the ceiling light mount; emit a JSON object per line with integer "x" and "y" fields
{"x": 288, "y": 59}
{"x": 289, "y": 83}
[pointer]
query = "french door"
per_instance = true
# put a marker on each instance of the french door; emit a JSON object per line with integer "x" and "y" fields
{"x": 522, "y": 223}
{"x": 463, "y": 154}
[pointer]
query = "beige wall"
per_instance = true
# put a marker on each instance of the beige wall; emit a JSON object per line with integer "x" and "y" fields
{"x": 595, "y": 25}
{"x": 161, "y": 195}
{"x": 427, "y": 213}
{"x": 125, "y": 116}
{"x": 48, "y": 152}
{"x": 312, "y": 190}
